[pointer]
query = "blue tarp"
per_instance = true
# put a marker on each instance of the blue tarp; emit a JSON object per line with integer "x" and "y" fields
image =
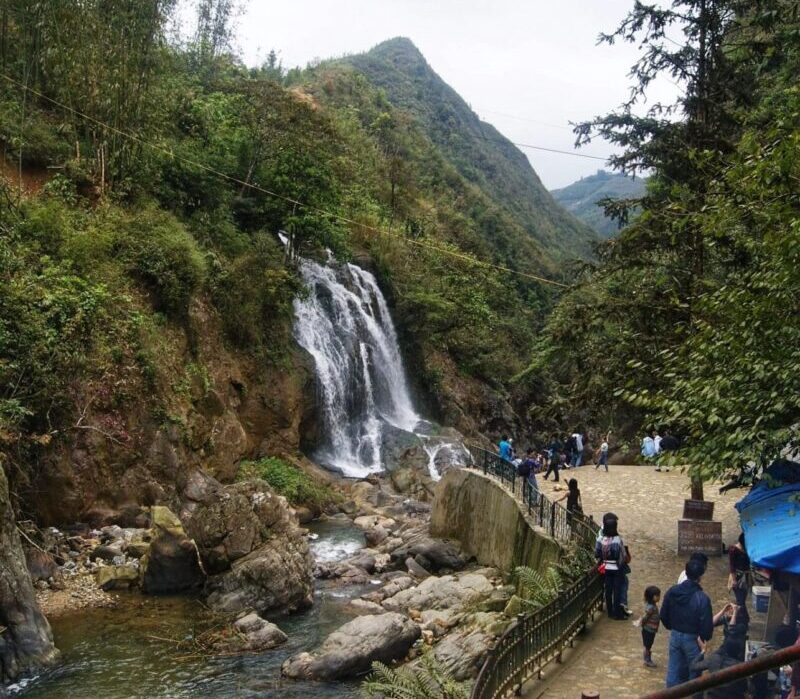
{"x": 770, "y": 517}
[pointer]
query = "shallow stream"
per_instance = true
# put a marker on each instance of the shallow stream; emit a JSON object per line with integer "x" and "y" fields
{"x": 130, "y": 652}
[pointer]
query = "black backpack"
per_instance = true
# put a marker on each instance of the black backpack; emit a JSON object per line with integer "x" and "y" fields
{"x": 524, "y": 468}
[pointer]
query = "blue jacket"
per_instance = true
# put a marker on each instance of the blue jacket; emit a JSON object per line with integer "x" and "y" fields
{"x": 687, "y": 608}
{"x": 505, "y": 451}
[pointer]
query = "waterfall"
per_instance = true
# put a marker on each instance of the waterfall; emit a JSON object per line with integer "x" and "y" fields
{"x": 344, "y": 323}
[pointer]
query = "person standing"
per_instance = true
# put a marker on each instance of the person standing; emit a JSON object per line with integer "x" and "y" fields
{"x": 555, "y": 448}
{"x": 573, "y": 497}
{"x": 504, "y": 448}
{"x": 603, "y": 460}
{"x": 609, "y": 551}
{"x": 649, "y": 623}
{"x": 657, "y": 442}
{"x": 686, "y": 613}
{"x": 527, "y": 469}
{"x": 577, "y": 453}
{"x": 740, "y": 579}
{"x": 648, "y": 447}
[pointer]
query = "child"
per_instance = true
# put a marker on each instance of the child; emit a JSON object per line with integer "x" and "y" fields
{"x": 649, "y": 622}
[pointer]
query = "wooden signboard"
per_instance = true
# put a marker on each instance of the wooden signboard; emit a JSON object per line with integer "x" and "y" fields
{"x": 698, "y": 509}
{"x": 697, "y": 535}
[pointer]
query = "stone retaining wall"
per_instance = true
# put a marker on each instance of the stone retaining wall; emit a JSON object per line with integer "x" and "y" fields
{"x": 489, "y": 522}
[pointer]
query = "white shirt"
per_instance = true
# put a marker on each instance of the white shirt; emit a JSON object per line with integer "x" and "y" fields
{"x": 682, "y": 577}
{"x": 578, "y": 441}
{"x": 604, "y": 447}
{"x": 657, "y": 442}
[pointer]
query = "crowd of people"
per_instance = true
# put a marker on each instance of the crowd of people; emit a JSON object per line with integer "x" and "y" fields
{"x": 560, "y": 453}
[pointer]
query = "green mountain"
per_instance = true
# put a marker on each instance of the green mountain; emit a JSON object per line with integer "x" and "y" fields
{"x": 480, "y": 154}
{"x": 581, "y": 198}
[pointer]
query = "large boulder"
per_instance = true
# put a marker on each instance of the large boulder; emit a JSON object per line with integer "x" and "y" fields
{"x": 446, "y": 592}
{"x": 251, "y": 633}
{"x": 172, "y": 563}
{"x": 435, "y": 555}
{"x": 351, "y": 650}
{"x": 462, "y": 653}
{"x": 250, "y": 544}
{"x": 26, "y": 642}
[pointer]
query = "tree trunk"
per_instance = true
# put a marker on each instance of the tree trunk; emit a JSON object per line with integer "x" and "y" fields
{"x": 697, "y": 489}
{"x": 26, "y": 642}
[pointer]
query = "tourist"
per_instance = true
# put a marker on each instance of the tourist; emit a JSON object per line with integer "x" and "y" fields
{"x": 577, "y": 452}
{"x": 554, "y": 448}
{"x": 625, "y": 571}
{"x": 610, "y": 553}
{"x": 730, "y": 653}
{"x": 686, "y": 614}
{"x": 740, "y": 579}
{"x": 603, "y": 460}
{"x": 504, "y": 448}
{"x": 555, "y": 464}
{"x": 527, "y": 468}
{"x": 696, "y": 556}
{"x": 649, "y": 622}
{"x": 573, "y": 497}
{"x": 648, "y": 447}
{"x": 657, "y": 442}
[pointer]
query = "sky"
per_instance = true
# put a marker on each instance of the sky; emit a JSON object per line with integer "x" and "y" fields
{"x": 529, "y": 67}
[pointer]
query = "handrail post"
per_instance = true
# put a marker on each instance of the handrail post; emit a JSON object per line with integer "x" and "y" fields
{"x": 553, "y": 519}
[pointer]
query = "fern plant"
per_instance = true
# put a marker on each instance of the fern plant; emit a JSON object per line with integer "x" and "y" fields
{"x": 428, "y": 680}
{"x": 537, "y": 589}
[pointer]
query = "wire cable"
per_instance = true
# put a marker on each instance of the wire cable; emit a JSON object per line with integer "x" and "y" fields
{"x": 290, "y": 200}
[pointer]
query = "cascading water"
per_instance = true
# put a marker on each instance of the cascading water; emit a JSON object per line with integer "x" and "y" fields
{"x": 344, "y": 323}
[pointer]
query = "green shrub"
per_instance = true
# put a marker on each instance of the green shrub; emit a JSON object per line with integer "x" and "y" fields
{"x": 161, "y": 253}
{"x": 287, "y": 480}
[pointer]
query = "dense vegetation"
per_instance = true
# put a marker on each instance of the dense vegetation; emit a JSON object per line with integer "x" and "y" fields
{"x": 295, "y": 485}
{"x": 586, "y": 197}
{"x": 690, "y": 320}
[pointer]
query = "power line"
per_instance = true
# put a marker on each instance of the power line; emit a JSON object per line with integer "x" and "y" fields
{"x": 528, "y": 119}
{"x": 343, "y": 219}
{"x": 562, "y": 152}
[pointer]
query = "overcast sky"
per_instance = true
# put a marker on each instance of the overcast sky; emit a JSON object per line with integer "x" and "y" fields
{"x": 527, "y": 66}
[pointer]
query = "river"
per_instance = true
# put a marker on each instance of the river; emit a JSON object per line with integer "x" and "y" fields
{"x": 130, "y": 651}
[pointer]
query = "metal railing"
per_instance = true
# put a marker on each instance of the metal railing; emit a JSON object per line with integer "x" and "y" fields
{"x": 539, "y": 637}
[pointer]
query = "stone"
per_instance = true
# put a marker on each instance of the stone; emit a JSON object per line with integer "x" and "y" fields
{"x": 304, "y": 515}
{"x": 137, "y": 549}
{"x": 259, "y": 633}
{"x": 439, "y": 555}
{"x": 362, "y": 606}
{"x": 372, "y": 521}
{"x": 416, "y": 569}
{"x": 119, "y": 577}
{"x": 462, "y": 653}
{"x": 250, "y": 542}
{"x": 351, "y": 650}
{"x": 172, "y": 563}
{"x": 41, "y": 565}
{"x": 26, "y": 644}
{"x": 376, "y": 535}
{"x": 441, "y": 593}
{"x": 105, "y": 553}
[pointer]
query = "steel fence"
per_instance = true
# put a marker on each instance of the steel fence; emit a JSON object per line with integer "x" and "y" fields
{"x": 539, "y": 637}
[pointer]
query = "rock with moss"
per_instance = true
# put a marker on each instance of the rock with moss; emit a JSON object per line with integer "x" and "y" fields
{"x": 172, "y": 563}
{"x": 255, "y": 553}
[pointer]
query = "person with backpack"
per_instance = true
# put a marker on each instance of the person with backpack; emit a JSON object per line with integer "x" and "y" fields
{"x": 686, "y": 613}
{"x": 609, "y": 551}
{"x": 729, "y": 654}
{"x": 527, "y": 468}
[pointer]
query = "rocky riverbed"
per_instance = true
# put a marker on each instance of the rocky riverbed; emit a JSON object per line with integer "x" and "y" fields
{"x": 382, "y": 589}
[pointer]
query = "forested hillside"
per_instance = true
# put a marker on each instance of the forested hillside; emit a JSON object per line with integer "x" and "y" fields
{"x": 145, "y": 299}
{"x": 585, "y": 198}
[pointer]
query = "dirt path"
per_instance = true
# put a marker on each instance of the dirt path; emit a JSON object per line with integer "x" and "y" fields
{"x": 608, "y": 657}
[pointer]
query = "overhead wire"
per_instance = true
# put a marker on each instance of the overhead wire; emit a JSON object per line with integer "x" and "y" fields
{"x": 290, "y": 200}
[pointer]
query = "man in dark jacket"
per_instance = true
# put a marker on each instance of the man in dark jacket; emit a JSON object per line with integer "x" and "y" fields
{"x": 686, "y": 613}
